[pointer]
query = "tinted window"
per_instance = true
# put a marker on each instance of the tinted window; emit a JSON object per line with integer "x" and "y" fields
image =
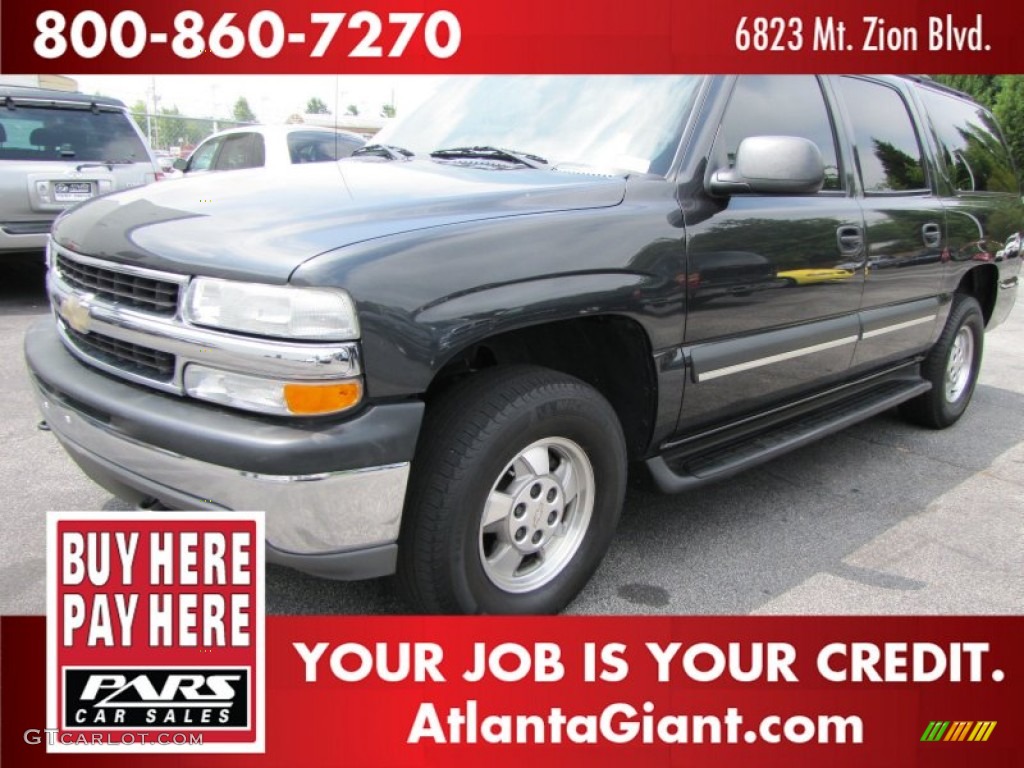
{"x": 887, "y": 146}
{"x": 41, "y": 133}
{"x": 319, "y": 147}
{"x": 972, "y": 148}
{"x": 779, "y": 105}
{"x": 202, "y": 158}
{"x": 241, "y": 150}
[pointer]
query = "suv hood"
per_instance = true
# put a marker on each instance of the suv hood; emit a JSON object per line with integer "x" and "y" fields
{"x": 261, "y": 225}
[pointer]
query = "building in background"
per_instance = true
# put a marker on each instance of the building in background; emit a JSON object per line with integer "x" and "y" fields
{"x": 56, "y": 82}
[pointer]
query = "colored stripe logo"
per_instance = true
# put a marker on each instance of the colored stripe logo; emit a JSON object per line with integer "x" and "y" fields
{"x": 958, "y": 730}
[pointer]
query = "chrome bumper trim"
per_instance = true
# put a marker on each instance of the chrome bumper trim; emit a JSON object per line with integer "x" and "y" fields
{"x": 311, "y": 514}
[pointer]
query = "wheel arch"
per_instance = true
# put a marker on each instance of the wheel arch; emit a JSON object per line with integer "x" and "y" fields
{"x": 981, "y": 282}
{"x": 610, "y": 352}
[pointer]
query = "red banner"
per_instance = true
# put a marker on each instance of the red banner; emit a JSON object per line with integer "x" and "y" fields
{"x": 925, "y": 691}
{"x": 533, "y": 36}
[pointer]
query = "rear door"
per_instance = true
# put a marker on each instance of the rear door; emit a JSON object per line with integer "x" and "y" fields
{"x": 982, "y": 194}
{"x": 906, "y": 257}
{"x": 772, "y": 310}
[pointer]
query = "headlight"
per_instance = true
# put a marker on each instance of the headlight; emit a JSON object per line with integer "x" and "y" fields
{"x": 263, "y": 395}
{"x": 280, "y": 311}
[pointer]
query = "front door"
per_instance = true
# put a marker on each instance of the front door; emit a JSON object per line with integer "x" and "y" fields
{"x": 774, "y": 281}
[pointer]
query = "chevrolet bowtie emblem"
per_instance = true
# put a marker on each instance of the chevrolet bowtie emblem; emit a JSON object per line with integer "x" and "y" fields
{"x": 75, "y": 313}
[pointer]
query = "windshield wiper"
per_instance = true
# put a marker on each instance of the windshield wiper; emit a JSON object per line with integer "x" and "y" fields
{"x": 389, "y": 151}
{"x": 491, "y": 153}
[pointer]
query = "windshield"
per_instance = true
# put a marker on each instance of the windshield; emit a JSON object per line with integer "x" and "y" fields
{"x": 80, "y": 135}
{"x": 627, "y": 123}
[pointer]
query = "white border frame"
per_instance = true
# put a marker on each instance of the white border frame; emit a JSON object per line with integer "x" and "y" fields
{"x": 258, "y": 686}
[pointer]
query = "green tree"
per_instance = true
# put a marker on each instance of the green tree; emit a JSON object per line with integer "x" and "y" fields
{"x": 388, "y": 110}
{"x": 242, "y": 113}
{"x": 315, "y": 106}
{"x": 139, "y": 110}
{"x": 984, "y": 88}
{"x": 1009, "y": 110}
{"x": 174, "y": 130}
{"x": 352, "y": 110}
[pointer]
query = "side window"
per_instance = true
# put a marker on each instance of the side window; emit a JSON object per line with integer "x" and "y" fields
{"x": 890, "y": 154}
{"x": 202, "y": 158}
{"x": 779, "y": 105}
{"x": 258, "y": 151}
{"x": 241, "y": 150}
{"x": 972, "y": 148}
{"x": 310, "y": 147}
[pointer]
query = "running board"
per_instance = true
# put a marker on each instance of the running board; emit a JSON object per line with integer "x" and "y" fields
{"x": 691, "y": 470}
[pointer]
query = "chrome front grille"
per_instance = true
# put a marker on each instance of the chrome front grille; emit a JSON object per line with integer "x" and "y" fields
{"x": 125, "y": 356}
{"x": 146, "y": 294}
{"x": 124, "y": 320}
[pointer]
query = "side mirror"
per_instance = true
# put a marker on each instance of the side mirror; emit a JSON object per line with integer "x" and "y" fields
{"x": 179, "y": 164}
{"x": 772, "y": 165}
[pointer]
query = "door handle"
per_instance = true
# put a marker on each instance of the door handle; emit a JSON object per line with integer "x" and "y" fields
{"x": 931, "y": 233}
{"x": 850, "y": 239}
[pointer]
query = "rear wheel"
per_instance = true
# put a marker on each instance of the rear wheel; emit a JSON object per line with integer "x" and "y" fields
{"x": 952, "y": 367}
{"x": 516, "y": 490}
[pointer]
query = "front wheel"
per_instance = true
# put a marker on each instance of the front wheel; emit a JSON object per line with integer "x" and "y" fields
{"x": 952, "y": 367}
{"x": 516, "y": 491}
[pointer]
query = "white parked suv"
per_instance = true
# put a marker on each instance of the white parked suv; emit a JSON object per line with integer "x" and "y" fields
{"x": 269, "y": 146}
{"x": 58, "y": 148}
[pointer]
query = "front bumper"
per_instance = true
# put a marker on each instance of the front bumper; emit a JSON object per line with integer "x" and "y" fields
{"x": 333, "y": 491}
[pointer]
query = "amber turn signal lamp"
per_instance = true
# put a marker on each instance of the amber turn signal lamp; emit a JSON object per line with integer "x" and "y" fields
{"x": 316, "y": 399}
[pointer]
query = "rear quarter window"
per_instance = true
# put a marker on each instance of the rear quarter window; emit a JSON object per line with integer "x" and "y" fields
{"x": 971, "y": 146}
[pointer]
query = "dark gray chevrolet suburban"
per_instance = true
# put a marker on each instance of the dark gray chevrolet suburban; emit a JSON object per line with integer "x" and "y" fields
{"x": 440, "y": 356}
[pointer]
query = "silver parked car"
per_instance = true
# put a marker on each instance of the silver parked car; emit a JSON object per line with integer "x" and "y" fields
{"x": 58, "y": 148}
{"x": 269, "y": 146}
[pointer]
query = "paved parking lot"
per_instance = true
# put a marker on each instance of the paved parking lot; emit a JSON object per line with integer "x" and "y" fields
{"x": 884, "y": 518}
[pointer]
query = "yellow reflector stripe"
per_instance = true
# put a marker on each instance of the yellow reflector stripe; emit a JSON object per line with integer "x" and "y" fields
{"x": 313, "y": 399}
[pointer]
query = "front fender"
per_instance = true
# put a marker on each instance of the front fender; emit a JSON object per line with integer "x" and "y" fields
{"x": 422, "y": 298}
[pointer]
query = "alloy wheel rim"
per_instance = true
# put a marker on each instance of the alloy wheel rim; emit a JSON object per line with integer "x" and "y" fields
{"x": 536, "y": 515}
{"x": 959, "y": 365}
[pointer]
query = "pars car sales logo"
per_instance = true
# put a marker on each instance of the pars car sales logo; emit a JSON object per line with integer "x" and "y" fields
{"x": 155, "y": 638}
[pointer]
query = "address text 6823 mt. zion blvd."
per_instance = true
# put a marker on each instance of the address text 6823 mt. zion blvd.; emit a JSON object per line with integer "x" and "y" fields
{"x": 947, "y": 32}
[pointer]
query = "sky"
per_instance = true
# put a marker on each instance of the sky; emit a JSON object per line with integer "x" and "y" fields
{"x": 271, "y": 97}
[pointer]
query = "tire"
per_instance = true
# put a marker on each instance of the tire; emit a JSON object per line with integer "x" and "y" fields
{"x": 952, "y": 367}
{"x": 481, "y": 452}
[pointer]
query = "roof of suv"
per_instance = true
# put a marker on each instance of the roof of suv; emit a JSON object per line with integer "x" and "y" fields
{"x": 930, "y": 82}
{"x": 49, "y": 95}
